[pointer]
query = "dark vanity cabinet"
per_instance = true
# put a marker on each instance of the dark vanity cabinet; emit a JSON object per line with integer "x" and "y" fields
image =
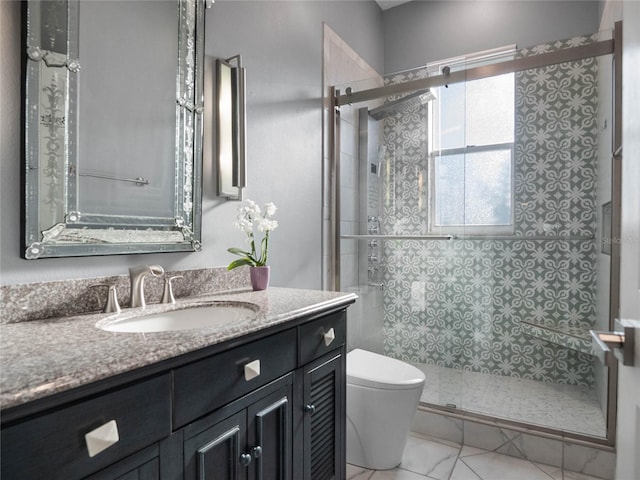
{"x": 289, "y": 425}
{"x": 267, "y": 406}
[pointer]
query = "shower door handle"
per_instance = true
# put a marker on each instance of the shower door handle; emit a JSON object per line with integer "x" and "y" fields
{"x": 620, "y": 342}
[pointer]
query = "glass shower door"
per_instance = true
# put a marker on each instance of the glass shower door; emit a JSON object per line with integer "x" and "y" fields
{"x": 471, "y": 226}
{"x": 361, "y": 260}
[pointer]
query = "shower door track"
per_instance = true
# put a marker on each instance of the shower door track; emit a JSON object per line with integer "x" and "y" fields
{"x": 604, "y": 47}
{"x": 528, "y": 428}
{"x": 397, "y": 237}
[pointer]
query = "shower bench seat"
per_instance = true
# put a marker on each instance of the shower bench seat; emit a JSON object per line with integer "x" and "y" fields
{"x": 575, "y": 338}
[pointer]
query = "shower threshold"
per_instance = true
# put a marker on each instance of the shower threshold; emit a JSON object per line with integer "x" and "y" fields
{"x": 568, "y": 408}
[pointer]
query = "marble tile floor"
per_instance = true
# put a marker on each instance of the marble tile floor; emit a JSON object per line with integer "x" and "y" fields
{"x": 427, "y": 458}
{"x": 564, "y": 407}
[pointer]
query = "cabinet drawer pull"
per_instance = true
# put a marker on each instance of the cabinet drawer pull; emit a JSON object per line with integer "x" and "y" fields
{"x": 102, "y": 438}
{"x": 256, "y": 451}
{"x": 310, "y": 409}
{"x": 252, "y": 370}
{"x": 245, "y": 459}
{"x": 329, "y": 336}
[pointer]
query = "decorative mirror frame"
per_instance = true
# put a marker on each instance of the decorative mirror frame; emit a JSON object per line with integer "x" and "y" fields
{"x": 50, "y": 155}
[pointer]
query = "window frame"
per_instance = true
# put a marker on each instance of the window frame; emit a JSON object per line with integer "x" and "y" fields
{"x": 481, "y": 230}
{"x": 470, "y": 229}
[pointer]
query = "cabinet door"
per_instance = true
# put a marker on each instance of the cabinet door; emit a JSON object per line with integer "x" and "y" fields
{"x": 248, "y": 439}
{"x": 323, "y": 425}
{"x": 269, "y": 436}
{"x": 215, "y": 454}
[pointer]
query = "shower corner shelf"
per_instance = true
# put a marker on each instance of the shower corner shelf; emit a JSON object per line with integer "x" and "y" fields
{"x": 575, "y": 338}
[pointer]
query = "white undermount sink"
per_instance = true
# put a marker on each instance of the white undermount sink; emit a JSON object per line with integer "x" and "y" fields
{"x": 208, "y": 315}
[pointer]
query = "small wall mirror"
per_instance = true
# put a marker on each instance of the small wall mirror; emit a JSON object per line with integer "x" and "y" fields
{"x": 113, "y": 127}
{"x": 231, "y": 127}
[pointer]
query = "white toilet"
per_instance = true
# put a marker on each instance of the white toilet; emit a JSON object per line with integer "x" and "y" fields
{"x": 382, "y": 397}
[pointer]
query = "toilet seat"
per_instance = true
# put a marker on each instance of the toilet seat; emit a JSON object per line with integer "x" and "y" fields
{"x": 373, "y": 370}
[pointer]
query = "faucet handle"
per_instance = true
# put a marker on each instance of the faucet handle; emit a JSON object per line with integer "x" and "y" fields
{"x": 111, "y": 305}
{"x": 167, "y": 296}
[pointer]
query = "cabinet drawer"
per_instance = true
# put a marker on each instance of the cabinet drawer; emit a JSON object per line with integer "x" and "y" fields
{"x": 315, "y": 339}
{"x": 203, "y": 386}
{"x": 54, "y": 446}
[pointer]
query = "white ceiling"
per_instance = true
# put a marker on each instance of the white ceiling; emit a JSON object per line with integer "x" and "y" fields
{"x": 387, "y": 4}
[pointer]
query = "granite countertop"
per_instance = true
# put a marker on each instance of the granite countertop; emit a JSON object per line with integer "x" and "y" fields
{"x": 43, "y": 357}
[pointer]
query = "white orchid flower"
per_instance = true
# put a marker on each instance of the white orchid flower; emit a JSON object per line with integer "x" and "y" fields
{"x": 266, "y": 225}
{"x": 270, "y": 209}
{"x": 249, "y": 216}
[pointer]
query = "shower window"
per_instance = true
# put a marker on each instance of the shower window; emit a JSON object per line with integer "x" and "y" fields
{"x": 471, "y": 157}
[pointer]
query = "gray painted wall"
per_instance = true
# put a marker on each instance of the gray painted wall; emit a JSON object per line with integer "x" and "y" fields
{"x": 281, "y": 44}
{"x": 424, "y": 31}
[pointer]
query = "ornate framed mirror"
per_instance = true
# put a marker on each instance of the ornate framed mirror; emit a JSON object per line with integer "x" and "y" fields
{"x": 113, "y": 127}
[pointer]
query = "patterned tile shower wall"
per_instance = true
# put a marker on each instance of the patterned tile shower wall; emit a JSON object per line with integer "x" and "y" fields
{"x": 459, "y": 303}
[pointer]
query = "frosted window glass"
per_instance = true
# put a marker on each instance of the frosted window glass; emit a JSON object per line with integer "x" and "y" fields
{"x": 480, "y": 112}
{"x": 449, "y": 192}
{"x": 473, "y": 189}
{"x": 451, "y": 115}
{"x": 472, "y": 134}
{"x": 490, "y": 110}
{"x": 488, "y": 188}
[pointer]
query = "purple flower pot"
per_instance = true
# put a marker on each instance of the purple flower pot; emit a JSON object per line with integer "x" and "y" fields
{"x": 259, "y": 277}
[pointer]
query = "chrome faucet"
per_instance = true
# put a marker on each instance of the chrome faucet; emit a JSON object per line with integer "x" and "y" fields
{"x": 137, "y": 275}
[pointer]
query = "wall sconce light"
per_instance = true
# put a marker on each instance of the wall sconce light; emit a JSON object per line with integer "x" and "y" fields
{"x": 231, "y": 127}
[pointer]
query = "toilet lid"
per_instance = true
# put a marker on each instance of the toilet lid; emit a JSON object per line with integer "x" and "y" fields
{"x": 370, "y": 369}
